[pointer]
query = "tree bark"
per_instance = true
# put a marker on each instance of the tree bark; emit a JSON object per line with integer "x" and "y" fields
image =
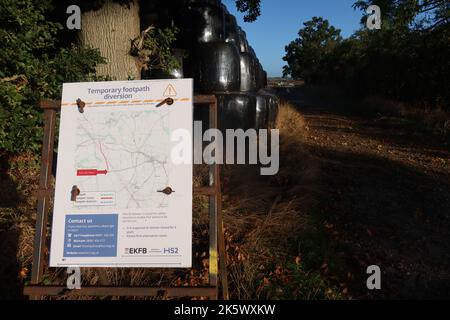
{"x": 111, "y": 29}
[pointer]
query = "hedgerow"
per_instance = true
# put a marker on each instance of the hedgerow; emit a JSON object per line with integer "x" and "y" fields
{"x": 33, "y": 66}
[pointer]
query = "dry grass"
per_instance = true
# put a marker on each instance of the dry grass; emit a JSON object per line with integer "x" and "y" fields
{"x": 256, "y": 240}
{"x": 17, "y": 213}
{"x": 265, "y": 218}
{"x": 289, "y": 121}
{"x": 262, "y": 223}
{"x": 435, "y": 119}
{"x": 20, "y": 180}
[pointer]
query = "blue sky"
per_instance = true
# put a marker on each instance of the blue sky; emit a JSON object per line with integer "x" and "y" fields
{"x": 280, "y": 21}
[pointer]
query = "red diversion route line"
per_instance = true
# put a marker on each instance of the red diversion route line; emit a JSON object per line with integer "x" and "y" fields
{"x": 103, "y": 154}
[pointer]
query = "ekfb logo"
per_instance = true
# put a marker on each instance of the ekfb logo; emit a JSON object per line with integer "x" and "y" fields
{"x": 135, "y": 251}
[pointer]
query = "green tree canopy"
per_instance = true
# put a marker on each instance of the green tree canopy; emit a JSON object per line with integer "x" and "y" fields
{"x": 251, "y": 8}
{"x": 309, "y": 54}
{"x": 416, "y": 14}
{"x": 37, "y": 56}
{"x": 406, "y": 60}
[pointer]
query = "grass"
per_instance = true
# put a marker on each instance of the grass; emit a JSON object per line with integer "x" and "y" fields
{"x": 267, "y": 228}
{"x": 436, "y": 120}
{"x": 418, "y": 116}
{"x": 20, "y": 179}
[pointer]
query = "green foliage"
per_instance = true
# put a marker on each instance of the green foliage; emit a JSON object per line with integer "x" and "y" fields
{"x": 88, "y": 5}
{"x": 291, "y": 281}
{"x": 154, "y": 48}
{"x": 251, "y": 8}
{"x": 418, "y": 14}
{"x": 32, "y": 67}
{"x": 406, "y": 60}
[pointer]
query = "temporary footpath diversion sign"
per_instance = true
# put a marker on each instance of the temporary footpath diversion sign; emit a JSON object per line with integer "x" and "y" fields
{"x": 120, "y": 200}
{"x": 114, "y": 165}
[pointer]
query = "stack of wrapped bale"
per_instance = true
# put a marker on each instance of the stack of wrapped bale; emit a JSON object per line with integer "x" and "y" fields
{"x": 216, "y": 54}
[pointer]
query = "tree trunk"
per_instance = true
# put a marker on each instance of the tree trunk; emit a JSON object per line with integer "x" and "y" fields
{"x": 111, "y": 30}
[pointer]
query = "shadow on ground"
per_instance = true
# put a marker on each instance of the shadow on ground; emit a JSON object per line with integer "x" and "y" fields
{"x": 384, "y": 199}
{"x": 387, "y": 214}
{"x": 10, "y": 285}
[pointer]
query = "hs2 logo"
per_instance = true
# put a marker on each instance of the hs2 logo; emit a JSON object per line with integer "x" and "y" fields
{"x": 171, "y": 251}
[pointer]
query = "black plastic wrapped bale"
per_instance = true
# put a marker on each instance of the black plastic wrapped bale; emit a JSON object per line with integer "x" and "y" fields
{"x": 248, "y": 72}
{"x": 175, "y": 73}
{"x": 252, "y": 51}
{"x": 236, "y": 111}
{"x": 202, "y": 114}
{"x": 225, "y": 9}
{"x": 243, "y": 41}
{"x": 215, "y": 67}
{"x": 262, "y": 78}
{"x": 202, "y": 23}
{"x": 161, "y": 74}
{"x": 163, "y": 14}
{"x": 232, "y": 30}
{"x": 259, "y": 76}
{"x": 262, "y": 112}
{"x": 273, "y": 104}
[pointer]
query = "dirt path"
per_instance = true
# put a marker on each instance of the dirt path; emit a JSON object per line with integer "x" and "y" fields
{"x": 385, "y": 196}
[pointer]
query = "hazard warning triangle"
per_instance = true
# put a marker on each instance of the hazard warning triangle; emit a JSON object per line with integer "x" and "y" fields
{"x": 170, "y": 91}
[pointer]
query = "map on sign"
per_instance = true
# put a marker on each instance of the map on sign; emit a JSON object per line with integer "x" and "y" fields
{"x": 120, "y": 201}
{"x": 135, "y": 161}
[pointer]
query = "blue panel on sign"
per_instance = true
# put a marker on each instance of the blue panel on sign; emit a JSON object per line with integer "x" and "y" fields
{"x": 91, "y": 235}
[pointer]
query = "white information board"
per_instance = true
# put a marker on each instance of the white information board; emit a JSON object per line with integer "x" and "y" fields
{"x": 117, "y": 153}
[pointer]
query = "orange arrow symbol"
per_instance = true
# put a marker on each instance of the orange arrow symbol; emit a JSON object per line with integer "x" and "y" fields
{"x": 90, "y": 172}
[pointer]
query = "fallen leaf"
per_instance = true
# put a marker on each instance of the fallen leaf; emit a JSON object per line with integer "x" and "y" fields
{"x": 23, "y": 273}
